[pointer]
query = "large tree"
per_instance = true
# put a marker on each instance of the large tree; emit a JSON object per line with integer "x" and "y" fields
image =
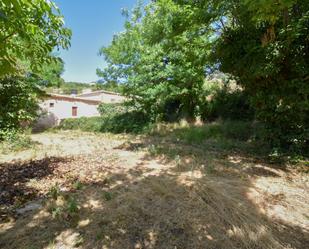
{"x": 166, "y": 50}
{"x": 162, "y": 70}
{"x": 30, "y": 30}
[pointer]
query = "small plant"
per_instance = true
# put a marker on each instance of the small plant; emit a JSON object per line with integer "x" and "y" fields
{"x": 99, "y": 236}
{"x": 210, "y": 168}
{"x": 64, "y": 208}
{"x": 51, "y": 244}
{"x": 54, "y": 192}
{"x": 72, "y": 206}
{"x": 156, "y": 150}
{"x": 107, "y": 196}
{"x": 153, "y": 150}
{"x": 56, "y": 212}
{"x": 177, "y": 160}
{"x": 77, "y": 185}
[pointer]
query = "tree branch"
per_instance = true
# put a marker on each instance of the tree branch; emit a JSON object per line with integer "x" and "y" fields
{"x": 222, "y": 23}
{"x": 7, "y": 37}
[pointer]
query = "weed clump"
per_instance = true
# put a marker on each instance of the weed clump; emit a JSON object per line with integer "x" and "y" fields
{"x": 14, "y": 141}
{"x": 62, "y": 205}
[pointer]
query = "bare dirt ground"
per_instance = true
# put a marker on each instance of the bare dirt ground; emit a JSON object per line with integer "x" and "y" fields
{"x": 84, "y": 190}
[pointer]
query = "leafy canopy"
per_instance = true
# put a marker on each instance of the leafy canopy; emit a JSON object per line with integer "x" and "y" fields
{"x": 169, "y": 47}
{"x": 29, "y": 31}
{"x": 162, "y": 71}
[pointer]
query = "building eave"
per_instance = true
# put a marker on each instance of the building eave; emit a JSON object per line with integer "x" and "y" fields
{"x": 73, "y": 99}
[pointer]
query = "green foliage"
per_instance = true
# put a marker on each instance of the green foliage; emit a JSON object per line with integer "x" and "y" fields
{"x": 107, "y": 109}
{"x": 18, "y": 103}
{"x": 14, "y": 141}
{"x": 267, "y": 50}
{"x": 77, "y": 185}
{"x": 50, "y": 74}
{"x": 161, "y": 74}
{"x": 227, "y": 135}
{"x": 236, "y": 130}
{"x": 227, "y": 104}
{"x": 169, "y": 46}
{"x": 67, "y": 87}
{"x": 112, "y": 86}
{"x": 62, "y": 205}
{"x": 29, "y": 31}
{"x": 54, "y": 192}
{"x": 72, "y": 206}
{"x": 107, "y": 196}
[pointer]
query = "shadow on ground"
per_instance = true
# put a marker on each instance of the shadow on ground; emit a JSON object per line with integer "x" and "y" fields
{"x": 15, "y": 176}
{"x": 196, "y": 200}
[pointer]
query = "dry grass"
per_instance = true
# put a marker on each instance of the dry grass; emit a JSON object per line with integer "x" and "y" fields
{"x": 152, "y": 192}
{"x": 62, "y": 144}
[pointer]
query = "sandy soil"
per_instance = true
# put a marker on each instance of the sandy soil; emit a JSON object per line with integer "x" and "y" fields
{"x": 84, "y": 190}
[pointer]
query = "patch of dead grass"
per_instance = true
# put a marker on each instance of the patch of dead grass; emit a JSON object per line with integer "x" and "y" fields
{"x": 178, "y": 197}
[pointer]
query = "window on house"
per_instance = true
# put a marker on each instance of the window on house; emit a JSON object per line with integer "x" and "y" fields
{"x": 51, "y": 104}
{"x": 74, "y": 111}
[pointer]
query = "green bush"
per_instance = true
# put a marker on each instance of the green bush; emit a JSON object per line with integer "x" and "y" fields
{"x": 18, "y": 103}
{"x": 85, "y": 124}
{"x": 246, "y": 136}
{"x": 227, "y": 105}
{"x": 235, "y": 130}
{"x": 270, "y": 60}
{"x": 14, "y": 141}
{"x": 108, "y": 109}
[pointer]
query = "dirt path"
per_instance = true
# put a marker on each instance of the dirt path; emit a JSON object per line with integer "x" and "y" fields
{"x": 83, "y": 190}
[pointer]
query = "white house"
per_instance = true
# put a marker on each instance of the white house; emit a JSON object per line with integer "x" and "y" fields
{"x": 56, "y": 107}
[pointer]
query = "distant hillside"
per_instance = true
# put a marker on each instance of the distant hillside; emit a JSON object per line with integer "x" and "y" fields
{"x": 77, "y": 87}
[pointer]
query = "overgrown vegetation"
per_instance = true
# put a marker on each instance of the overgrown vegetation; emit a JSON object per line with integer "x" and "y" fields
{"x": 240, "y": 136}
{"x": 18, "y": 104}
{"x": 29, "y": 33}
{"x": 169, "y": 47}
{"x": 224, "y": 100}
{"x": 15, "y": 142}
{"x": 168, "y": 52}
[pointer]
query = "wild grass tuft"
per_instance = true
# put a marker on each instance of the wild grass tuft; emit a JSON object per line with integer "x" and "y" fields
{"x": 15, "y": 142}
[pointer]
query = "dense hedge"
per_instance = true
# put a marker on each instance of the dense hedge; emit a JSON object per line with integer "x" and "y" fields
{"x": 227, "y": 106}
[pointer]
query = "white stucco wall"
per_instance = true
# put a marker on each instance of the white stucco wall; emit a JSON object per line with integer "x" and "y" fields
{"x": 87, "y": 106}
{"x": 63, "y": 108}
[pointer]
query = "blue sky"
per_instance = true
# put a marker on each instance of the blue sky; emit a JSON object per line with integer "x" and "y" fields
{"x": 93, "y": 23}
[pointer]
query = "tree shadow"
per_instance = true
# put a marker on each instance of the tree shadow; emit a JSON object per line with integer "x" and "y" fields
{"x": 14, "y": 177}
{"x": 177, "y": 207}
{"x": 188, "y": 157}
